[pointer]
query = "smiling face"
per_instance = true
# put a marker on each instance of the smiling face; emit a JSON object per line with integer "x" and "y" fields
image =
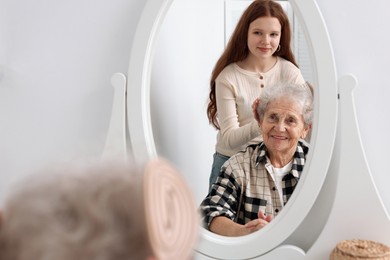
{"x": 264, "y": 36}
{"x": 282, "y": 126}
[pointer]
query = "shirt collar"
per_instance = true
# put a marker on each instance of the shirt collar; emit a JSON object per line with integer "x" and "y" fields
{"x": 298, "y": 159}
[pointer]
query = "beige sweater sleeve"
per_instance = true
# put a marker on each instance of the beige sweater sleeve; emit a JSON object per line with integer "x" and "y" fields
{"x": 235, "y": 92}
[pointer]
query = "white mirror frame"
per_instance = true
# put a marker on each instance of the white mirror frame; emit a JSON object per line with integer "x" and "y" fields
{"x": 323, "y": 135}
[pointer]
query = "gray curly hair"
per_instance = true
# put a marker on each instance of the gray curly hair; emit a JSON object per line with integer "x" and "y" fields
{"x": 301, "y": 94}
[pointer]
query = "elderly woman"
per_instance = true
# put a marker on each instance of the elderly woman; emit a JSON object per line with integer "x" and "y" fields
{"x": 255, "y": 184}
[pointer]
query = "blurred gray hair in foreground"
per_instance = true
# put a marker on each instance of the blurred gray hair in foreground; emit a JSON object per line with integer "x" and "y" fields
{"x": 102, "y": 211}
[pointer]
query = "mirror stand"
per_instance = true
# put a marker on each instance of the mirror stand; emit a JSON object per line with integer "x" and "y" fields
{"x": 116, "y": 140}
{"x": 357, "y": 211}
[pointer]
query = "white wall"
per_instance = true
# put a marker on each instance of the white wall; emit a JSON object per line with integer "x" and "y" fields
{"x": 56, "y": 61}
{"x": 358, "y": 30}
{"x": 57, "y": 58}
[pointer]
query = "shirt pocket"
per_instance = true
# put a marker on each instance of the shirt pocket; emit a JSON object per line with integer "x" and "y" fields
{"x": 252, "y": 207}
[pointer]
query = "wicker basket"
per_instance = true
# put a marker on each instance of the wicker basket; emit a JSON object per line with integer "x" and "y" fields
{"x": 357, "y": 249}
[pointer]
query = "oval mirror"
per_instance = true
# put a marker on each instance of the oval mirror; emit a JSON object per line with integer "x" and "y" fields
{"x": 142, "y": 100}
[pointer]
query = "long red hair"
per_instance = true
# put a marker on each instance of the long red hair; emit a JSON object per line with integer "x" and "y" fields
{"x": 237, "y": 47}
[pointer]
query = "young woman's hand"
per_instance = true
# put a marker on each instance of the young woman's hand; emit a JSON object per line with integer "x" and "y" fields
{"x": 254, "y": 109}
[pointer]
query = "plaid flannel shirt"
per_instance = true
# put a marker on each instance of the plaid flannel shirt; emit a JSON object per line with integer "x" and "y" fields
{"x": 244, "y": 186}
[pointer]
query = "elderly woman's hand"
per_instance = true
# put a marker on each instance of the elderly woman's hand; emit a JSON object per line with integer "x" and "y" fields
{"x": 254, "y": 109}
{"x": 259, "y": 223}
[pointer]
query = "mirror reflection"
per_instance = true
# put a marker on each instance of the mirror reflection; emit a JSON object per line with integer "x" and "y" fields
{"x": 190, "y": 42}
